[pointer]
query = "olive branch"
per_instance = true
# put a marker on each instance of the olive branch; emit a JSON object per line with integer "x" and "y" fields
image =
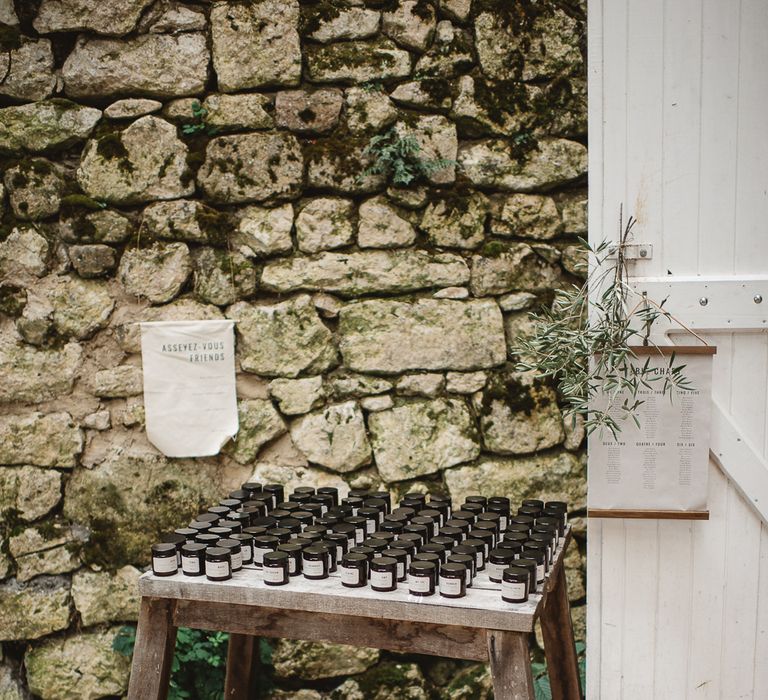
{"x": 584, "y": 342}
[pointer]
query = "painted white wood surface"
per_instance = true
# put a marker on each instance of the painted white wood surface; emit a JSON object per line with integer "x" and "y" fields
{"x": 678, "y": 97}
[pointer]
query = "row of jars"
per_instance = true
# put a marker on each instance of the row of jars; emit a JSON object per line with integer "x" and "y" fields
{"x": 426, "y": 543}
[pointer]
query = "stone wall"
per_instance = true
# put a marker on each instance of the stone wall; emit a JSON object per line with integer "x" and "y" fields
{"x": 169, "y": 160}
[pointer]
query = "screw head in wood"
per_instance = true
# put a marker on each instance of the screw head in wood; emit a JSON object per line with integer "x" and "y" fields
{"x": 758, "y": 298}
{"x": 703, "y": 301}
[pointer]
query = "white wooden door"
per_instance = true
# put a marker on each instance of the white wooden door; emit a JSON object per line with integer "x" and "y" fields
{"x": 678, "y": 114}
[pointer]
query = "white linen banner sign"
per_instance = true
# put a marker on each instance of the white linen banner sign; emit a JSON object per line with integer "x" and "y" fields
{"x": 190, "y": 403}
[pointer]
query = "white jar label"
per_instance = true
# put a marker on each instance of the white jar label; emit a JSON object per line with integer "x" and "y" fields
{"x": 400, "y": 569}
{"x": 190, "y": 565}
{"x": 292, "y": 565}
{"x": 350, "y": 575}
{"x": 237, "y": 561}
{"x": 246, "y": 551}
{"x": 369, "y": 526}
{"x": 418, "y": 584}
{"x": 435, "y": 529}
{"x": 217, "y": 569}
{"x": 339, "y": 552}
{"x": 165, "y": 565}
{"x": 274, "y": 574}
{"x": 258, "y": 555}
{"x": 450, "y": 586}
{"x": 495, "y": 571}
{"x": 381, "y": 579}
{"x": 502, "y": 522}
{"x": 178, "y": 557}
{"x": 323, "y": 510}
{"x": 485, "y": 547}
{"x": 469, "y": 577}
{"x": 313, "y": 567}
{"x": 539, "y": 573}
{"x": 513, "y": 590}
{"x": 479, "y": 560}
{"x": 359, "y": 535}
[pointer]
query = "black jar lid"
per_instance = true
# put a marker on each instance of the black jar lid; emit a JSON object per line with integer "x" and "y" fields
{"x": 344, "y": 528}
{"x": 482, "y": 500}
{"x": 416, "y": 496}
{"x": 486, "y": 536}
{"x": 232, "y": 545}
{"x": 281, "y": 533}
{"x": 409, "y": 503}
{"x": 234, "y": 525}
{"x": 500, "y": 508}
{"x": 327, "y": 520}
{"x": 453, "y": 570}
{"x": 193, "y": 549}
{"x": 518, "y": 527}
{"x": 466, "y": 560}
{"x": 265, "y": 542}
{"x": 325, "y": 499}
{"x": 383, "y": 535}
{"x": 430, "y": 513}
{"x": 304, "y": 542}
{"x": 439, "y": 498}
{"x": 240, "y": 495}
{"x": 255, "y": 508}
{"x": 534, "y": 502}
{"x": 391, "y": 526}
{"x": 367, "y": 552}
{"x": 217, "y": 554}
{"x": 516, "y": 574}
{"x": 499, "y": 499}
{"x": 240, "y": 516}
{"x": 553, "y": 520}
{"x": 424, "y": 520}
{"x": 478, "y": 543}
{"x": 291, "y": 524}
{"x": 383, "y": 495}
{"x": 445, "y": 541}
{"x": 522, "y": 519}
{"x": 354, "y": 501}
{"x": 173, "y": 538}
{"x": 276, "y": 559}
{"x": 530, "y": 565}
{"x": 533, "y": 511}
{"x": 207, "y": 518}
{"x": 304, "y": 517}
{"x": 412, "y": 537}
{"x": 291, "y": 547}
{"x": 368, "y": 512}
{"x": 397, "y": 516}
{"x": 163, "y": 549}
{"x": 207, "y": 538}
{"x": 338, "y": 538}
{"x": 462, "y": 514}
{"x": 300, "y": 498}
{"x": 462, "y": 525}
{"x": 407, "y": 511}
{"x": 188, "y": 533}
{"x": 383, "y": 563}
{"x": 221, "y": 531}
{"x": 501, "y": 556}
{"x": 428, "y": 556}
{"x": 489, "y": 516}
{"x": 556, "y": 505}
{"x": 278, "y": 514}
{"x": 422, "y": 567}
{"x": 231, "y": 503}
{"x": 540, "y": 555}
{"x": 441, "y": 507}
{"x": 511, "y": 545}
{"x": 355, "y": 559}
{"x": 274, "y": 489}
{"x": 512, "y": 536}
{"x": 415, "y": 528}
{"x": 341, "y": 511}
{"x": 252, "y": 486}
{"x": 290, "y": 506}
{"x": 374, "y": 543}
{"x": 331, "y": 491}
{"x": 438, "y": 549}
{"x": 475, "y": 508}
{"x": 403, "y": 545}
{"x": 454, "y": 532}
{"x": 221, "y": 511}
{"x": 255, "y": 531}
{"x": 321, "y": 529}
{"x": 395, "y": 553}
{"x": 467, "y": 549}
{"x": 267, "y": 521}
{"x": 305, "y": 489}
{"x": 485, "y": 525}
{"x": 356, "y": 520}
{"x": 358, "y": 493}
{"x": 315, "y": 552}
{"x": 312, "y": 536}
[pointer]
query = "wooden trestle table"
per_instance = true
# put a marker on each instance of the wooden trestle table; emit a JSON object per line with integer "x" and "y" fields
{"x": 480, "y": 626}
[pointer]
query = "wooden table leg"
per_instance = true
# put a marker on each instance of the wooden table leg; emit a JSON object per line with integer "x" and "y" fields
{"x": 559, "y": 645}
{"x": 510, "y": 665}
{"x": 242, "y": 662}
{"x": 153, "y": 652}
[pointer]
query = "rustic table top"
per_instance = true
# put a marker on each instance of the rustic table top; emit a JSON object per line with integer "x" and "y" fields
{"x": 481, "y": 607}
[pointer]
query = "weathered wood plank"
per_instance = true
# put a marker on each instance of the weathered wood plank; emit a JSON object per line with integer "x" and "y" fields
{"x": 242, "y": 660}
{"x": 648, "y": 514}
{"x": 510, "y": 665}
{"x": 559, "y": 646}
{"x": 417, "y": 638}
{"x": 153, "y": 652}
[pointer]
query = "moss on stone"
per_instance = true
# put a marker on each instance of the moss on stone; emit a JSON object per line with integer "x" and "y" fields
{"x": 13, "y": 299}
{"x": 10, "y": 37}
{"x": 494, "y": 249}
{"x": 111, "y": 147}
{"x": 80, "y": 201}
{"x": 315, "y": 14}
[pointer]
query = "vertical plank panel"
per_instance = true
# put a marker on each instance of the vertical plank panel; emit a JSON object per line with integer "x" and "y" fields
{"x": 682, "y": 134}
{"x": 760, "y": 680}
{"x": 739, "y": 623}
{"x": 719, "y": 118}
{"x": 612, "y": 584}
{"x": 641, "y": 580}
{"x": 594, "y": 605}
{"x": 645, "y": 128}
{"x": 752, "y": 191}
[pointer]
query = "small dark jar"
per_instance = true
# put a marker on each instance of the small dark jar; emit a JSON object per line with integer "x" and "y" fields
{"x": 293, "y": 551}
{"x": 261, "y": 545}
{"x": 498, "y": 560}
{"x": 193, "y": 559}
{"x": 468, "y": 562}
{"x": 246, "y": 547}
{"x": 315, "y": 562}
{"x": 235, "y": 552}
{"x": 164, "y": 561}
{"x": 275, "y": 568}
{"x": 514, "y": 584}
{"x": 422, "y": 577}
{"x": 218, "y": 564}
{"x": 401, "y": 557}
{"x": 354, "y": 570}
{"x": 383, "y": 576}
{"x": 453, "y": 580}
